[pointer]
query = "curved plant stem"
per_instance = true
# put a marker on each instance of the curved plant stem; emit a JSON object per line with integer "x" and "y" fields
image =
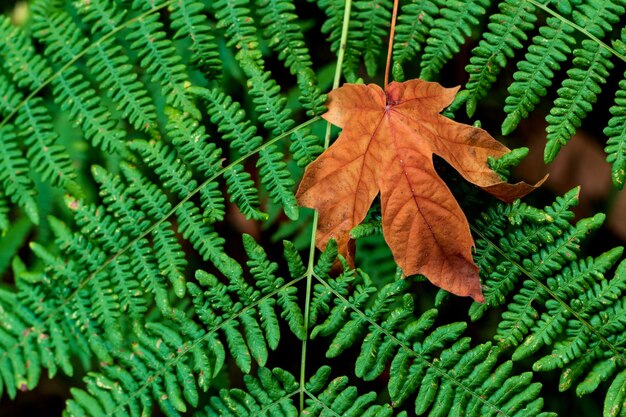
{"x": 311, "y": 261}
{"x": 392, "y": 32}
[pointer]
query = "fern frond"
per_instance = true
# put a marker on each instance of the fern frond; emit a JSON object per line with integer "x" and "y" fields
{"x": 339, "y": 398}
{"x": 231, "y": 123}
{"x": 174, "y": 173}
{"x": 602, "y": 305}
{"x": 438, "y": 366}
{"x": 16, "y": 184}
{"x": 65, "y": 330}
{"x": 113, "y": 68}
{"x": 286, "y": 38}
{"x": 270, "y": 393}
{"x": 149, "y": 196}
{"x": 100, "y": 293}
{"x": 334, "y": 10}
{"x": 193, "y": 144}
{"x": 534, "y": 74}
{"x": 263, "y": 272}
{"x": 449, "y": 32}
{"x": 373, "y": 17}
{"x": 189, "y": 22}
{"x": 19, "y": 57}
{"x": 616, "y": 396}
{"x": 413, "y": 26}
{"x": 234, "y": 17}
{"x": 616, "y": 144}
{"x": 564, "y": 302}
{"x": 242, "y": 190}
{"x": 159, "y": 58}
{"x": 505, "y": 33}
{"x": 27, "y": 344}
{"x": 267, "y": 394}
{"x": 576, "y": 97}
{"x": 114, "y": 73}
{"x": 45, "y": 154}
{"x": 75, "y": 95}
{"x": 102, "y": 228}
{"x": 591, "y": 68}
{"x": 103, "y": 16}
{"x": 583, "y": 283}
{"x": 176, "y": 176}
{"x": 339, "y": 312}
{"x": 205, "y": 240}
{"x": 305, "y": 147}
{"x": 270, "y": 105}
{"x": 520, "y": 316}
{"x": 532, "y": 229}
{"x": 118, "y": 391}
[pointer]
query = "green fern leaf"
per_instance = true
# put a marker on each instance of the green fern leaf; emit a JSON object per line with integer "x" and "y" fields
{"x": 616, "y": 144}
{"x": 286, "y": 38}
{"x": 506, "y": 32}
{"x": 449, "y": 32}
{"x": 13, "y": 174}
{"x": 189, "y": 22}
{"x": 114, "y": 73}
{"x": 519, "y": 318}
{"x": 45, "y": 154}
{"x": 616, "y": 396}
{"x": 579, "y": 92}
{"x": 520, "y": 242}
{"x": 578, "y": 278}
{"x": 535, "y": 72}
{"x": 373, "y": 17}
{"x": 4, "y": 214}
{"x": 226, "y": 114}
{"x": 339, "y": 313}
{"x": 332, "y": 26}
{"x": 413, "y": 26}
{"x": 64, "y": 43}
{"x": 159, "y": 58}
{"x": 19, "y": 57}
{"x": 206, "y": 241}
{"x": 113, "y": 68}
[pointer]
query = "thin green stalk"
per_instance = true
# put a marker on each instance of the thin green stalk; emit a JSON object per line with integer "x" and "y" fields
{"x": 311, "y": 261}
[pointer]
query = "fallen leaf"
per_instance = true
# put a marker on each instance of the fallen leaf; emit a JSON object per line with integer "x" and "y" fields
{"x": 386, "y": 145}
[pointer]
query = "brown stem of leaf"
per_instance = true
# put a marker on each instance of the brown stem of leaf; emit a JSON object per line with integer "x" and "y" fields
{"x": 391, "y": 33}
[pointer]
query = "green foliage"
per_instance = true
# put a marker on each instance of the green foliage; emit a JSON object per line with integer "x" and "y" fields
{"x": 149, "y": 155}
{"x": 448, "y": 33}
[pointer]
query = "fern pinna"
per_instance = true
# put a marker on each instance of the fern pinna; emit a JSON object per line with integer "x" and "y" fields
{"x": 139, "y": 138}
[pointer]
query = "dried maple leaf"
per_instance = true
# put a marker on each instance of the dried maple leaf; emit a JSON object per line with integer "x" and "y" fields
{"x": 387, "y": 143}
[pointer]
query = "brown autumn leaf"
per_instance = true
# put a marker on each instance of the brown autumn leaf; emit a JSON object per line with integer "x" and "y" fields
{"x": 386, "y": 145}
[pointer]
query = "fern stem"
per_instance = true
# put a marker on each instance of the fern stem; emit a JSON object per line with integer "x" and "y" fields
{"x": 552, "y": 294}
{"x": 578, "y": 28}
{"x": 311, "y": 261}
{"x": 392, "y": 32}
